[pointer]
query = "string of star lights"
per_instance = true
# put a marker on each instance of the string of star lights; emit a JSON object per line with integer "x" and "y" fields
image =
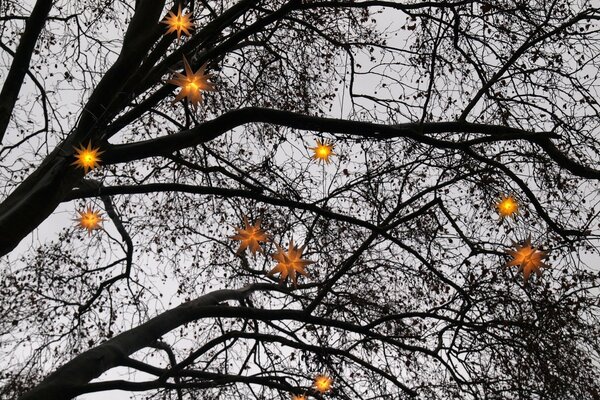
{"x": 180, "y": 23}
{"x": 192, "y": 84}
{"x": 252, "y": 237}
{"x": 88, "y": 158}
{"x": 528, "y": 258}
{"x": 289, "y": 263}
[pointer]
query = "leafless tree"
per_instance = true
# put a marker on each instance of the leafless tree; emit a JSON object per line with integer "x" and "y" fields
{"x": 437, "y": 109}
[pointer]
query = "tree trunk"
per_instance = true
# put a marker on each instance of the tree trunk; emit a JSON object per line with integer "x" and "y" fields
{"x": 18, "y": 69}
{"x": 67, "y": 381}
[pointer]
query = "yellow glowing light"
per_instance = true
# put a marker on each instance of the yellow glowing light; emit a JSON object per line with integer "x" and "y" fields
{"x": 299, "y": 397}
{"x": 89, "y": 219}
{"x": 178, "y": 23}
{"x": 290, "y": 263}
{"x": 249, "y": 236}
{"x": 527, "y": 258}
{"x": 87, "y": 157}
{"x": 507, "y": 206}
{"x": 323, "y": 150}
{"x": 323, "y": 383}
{"x": 192, "y": 84}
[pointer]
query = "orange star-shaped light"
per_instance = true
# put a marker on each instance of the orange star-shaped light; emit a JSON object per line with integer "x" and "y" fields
{"x": 299, "y": 397}
{"x": 178, "y": 23}
{"x": 249, "y": 236}
{"x": 192, "y": 84}
{"x": 290, "y": 263}
{"x": 527, "y": 258}
{"x": 87, "y": 157}
{"x": 507, "y": 206}
{"x": 323, "y": 150}
{"x": 322, "y": 383}
{"x": 89, "y": 219}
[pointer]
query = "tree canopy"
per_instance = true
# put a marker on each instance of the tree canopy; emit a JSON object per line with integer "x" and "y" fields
{"x": 300, "y": 199}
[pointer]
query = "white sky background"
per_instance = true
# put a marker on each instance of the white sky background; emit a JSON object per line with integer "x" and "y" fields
{"x": 63, "y": 215}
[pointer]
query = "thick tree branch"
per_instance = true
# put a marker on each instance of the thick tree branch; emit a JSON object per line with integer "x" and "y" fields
{"x": 387, "y": 4}
{"x": 68, "y": 380}
{"x": 206, "y": 380}
{"x": 204, "y": 132}
{"x": 209, "y": 130}
{"x": 20, "y": 65}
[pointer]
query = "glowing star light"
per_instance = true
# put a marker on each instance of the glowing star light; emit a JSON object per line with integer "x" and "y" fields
{"x": 323, "y": 383}
{"x": 299, "y": 397}
{"x": 323, "y": 150}
{"x": 249, "y": 236}
{"x": 527, "y": 258}
{"x": 178, "y": 23}
{"x": 87, "y": 157}
{"x": 89, "y": 219}
{"x": 507, "y": 207}
{"x": 192, "y": 84}
{"x": 290, "y": 263}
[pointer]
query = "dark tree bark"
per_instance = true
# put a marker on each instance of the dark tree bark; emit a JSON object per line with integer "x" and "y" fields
{"x": 12, "y": 84}
{"x": 70, "y": 380}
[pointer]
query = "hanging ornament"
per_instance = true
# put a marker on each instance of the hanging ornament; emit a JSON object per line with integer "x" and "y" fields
{"x": 178, "y": 23}
{"x": 249, "y": 236}
{"x": 323, "y": 150}
{"x": 87, "y": 157}
{"x": 290, "y": 263}
{"x": 89, "y": 219}
{"x": 322, "y": 383}
{"x": 527, "y": 258}
{"x": 192, "y": 84}
{"x": 507, "y": 207}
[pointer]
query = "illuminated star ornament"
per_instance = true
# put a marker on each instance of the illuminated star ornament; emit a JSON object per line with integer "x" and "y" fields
{"x": 87, "y": 157}
{"x": 323, "y": 151}
{"x": 249, "y": 236}
{"x": 527, "y": 258}
{"x": 322, "y": 383}
{"x": 178, "y": 23}
{"x": 89, "y": 219}
{"x": 192, "y": 84}
{"x": 299, "y": 397}
{"x": 289, "y": 263}
{"x": 507, "y": 206}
